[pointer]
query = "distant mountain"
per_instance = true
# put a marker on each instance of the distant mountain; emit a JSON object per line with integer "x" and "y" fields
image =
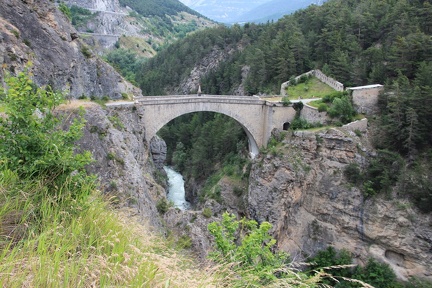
{"x": 274, "y": 10}
{"x": 142, "y": 26}
{"x": 225, "y": 11}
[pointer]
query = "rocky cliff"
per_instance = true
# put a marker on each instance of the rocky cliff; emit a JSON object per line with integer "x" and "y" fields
{"x": 36, "y": 31}
{"x": 113, "y": 24}
{"x": 123, "y": 164}
{"x": 300, "y": 188}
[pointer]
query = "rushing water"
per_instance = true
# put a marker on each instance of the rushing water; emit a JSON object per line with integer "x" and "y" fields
{"x": 176, "y": 191}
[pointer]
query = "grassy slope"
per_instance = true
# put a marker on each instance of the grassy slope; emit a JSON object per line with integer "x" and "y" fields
{"x": 313, "y": 88}
{"x": 91, "y": 246}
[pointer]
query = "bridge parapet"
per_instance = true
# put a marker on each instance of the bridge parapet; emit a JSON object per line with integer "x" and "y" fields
{"x": 181, "y": 99}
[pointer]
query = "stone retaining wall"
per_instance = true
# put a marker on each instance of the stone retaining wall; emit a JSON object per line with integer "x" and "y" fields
{"x": 320, "y": 76}
{"x": 360, "y": 125}
{"x": 312, "y": 115}
{"x": 328, "y": 80}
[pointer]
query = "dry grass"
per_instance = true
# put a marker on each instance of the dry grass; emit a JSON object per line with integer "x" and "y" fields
{"x": 75, "y": 104}
{"x": 90, "y": 247}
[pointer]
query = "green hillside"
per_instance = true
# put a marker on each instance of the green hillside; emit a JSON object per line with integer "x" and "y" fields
{"x": 158, "y": 7}
{"x": 356, "y": 42}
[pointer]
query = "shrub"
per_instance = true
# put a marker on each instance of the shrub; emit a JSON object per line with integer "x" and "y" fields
{"x": 249, "y": 252}
{"x": 65, "y": 10}
{"x": 86, "y": 51}
{"x": 33, "y": 142}
{"x": 352, "y": 173}
{"x": 162, "y": 206}
{"x": 285, "y": 101}
{"x": 207, "y": 212}
{"x": 342, "y": 109}
{"x": 322, "y": 107}
{"x": 298, "y": 106}
{"x": 383, "y": 172}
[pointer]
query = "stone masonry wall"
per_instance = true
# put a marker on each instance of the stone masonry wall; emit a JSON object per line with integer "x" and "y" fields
{"x": 311, "y": 114}
{"x": 318, "y": 74}
{"x": 328, "y": 80}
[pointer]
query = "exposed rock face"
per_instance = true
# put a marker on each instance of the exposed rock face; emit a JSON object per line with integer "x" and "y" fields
{"x": 158, "y": 150}
{"x": 123, "y": 165}
{"x": 302, "y": 191}
{"x": 37, "y": 31}
{"x": 206, "y": 65}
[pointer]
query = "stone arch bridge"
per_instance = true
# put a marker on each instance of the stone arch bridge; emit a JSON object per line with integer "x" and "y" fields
{"x": 257, "y": 117}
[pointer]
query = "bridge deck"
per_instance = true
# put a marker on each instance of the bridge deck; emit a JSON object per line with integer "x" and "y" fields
{"x": 173, "y": 99}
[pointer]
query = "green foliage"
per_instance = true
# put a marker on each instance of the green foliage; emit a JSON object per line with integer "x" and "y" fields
{"x": 377, "y": 274}
{"x": 197, "y": 142}
{"x": 80, "y": 16}
{"x": 298, "y": 106}
{"x": 85, "y": 50}
{"x": 33, "y": 141}
{"x": 248, "y": 246}
{"x": 286, "y": 101}
{"x": 342, "y": 109}
{"x": 65, "y": 10}
{"x": 162, "y": 206}
{"x": 311, "y": 38}
{"x": 328, "y": 258}
{"x": 159, "y": 8}
{"x": 301, "y": 124}
{"x": 117, "y": 123}
{"x": 322, "y": 107}
{"x": 416, "y": 183}
{"x": 125, "y": 62}
{"x": 383, "y": 172}
{"x": 207, "y": 212}
{"x": 352, "y": 173}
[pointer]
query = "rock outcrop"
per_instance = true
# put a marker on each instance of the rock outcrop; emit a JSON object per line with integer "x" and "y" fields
{"x": 300, "y": 188}
{"x": 123, "y": 164}
{"x": 158, "y": 150}
{"x": 36, "y": 31}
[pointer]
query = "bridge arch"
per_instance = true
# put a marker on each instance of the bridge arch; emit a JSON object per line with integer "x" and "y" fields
{"x": 256, "y": 116}
{"x": 167, "y": 117}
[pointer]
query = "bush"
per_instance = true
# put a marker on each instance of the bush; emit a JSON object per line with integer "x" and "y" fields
{"x": 322, "y": 107}
{"x": 207, "y": 212}
{"x": 162, "y": 206}
{"x": 249, "y": 252}
{"x": 342, "y": 109}
{"x": 298, "y": 106}
{"x": 65, "y": 10}
{"x": 285, "y": 101}
{"x": 352, "y": 173}
{"x": 383, "y": 172}
{"x": 33, "y": 142}
{"x": 374, "y": 273}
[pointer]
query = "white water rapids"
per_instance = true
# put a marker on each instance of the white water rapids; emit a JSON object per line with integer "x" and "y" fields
{"x": 176, "y": 191}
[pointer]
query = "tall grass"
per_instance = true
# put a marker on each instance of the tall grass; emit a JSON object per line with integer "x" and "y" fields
{"x": 81, "y": 243}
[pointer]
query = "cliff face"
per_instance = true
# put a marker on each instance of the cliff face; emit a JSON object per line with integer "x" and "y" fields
{"x": 36, "y": 31}
{"x": 302, "y": 191}
{"x": 123, "y": 165}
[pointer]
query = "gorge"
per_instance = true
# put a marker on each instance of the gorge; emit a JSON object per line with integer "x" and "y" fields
{"x": 298, "y": 182}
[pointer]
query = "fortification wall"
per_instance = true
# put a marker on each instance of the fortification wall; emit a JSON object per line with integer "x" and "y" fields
{"x": 318, "y": 74}
{"x": 328, "y": 80}
{"x": 311, "y": 114}
{"x": 360, "y": 125}
{"x": 365, "y": 98}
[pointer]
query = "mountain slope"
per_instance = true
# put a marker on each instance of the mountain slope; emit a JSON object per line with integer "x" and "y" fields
{"x": 39, "y": 33}
{"x": 274, "y": 10}
{"x": 224, "y": 11}
{"x": 140, "y": 26}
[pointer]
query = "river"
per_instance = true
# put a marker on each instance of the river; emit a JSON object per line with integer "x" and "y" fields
{"x": 176, "y": 191}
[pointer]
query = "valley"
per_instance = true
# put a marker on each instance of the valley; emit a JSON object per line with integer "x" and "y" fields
{"x": 268, "y": 184}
